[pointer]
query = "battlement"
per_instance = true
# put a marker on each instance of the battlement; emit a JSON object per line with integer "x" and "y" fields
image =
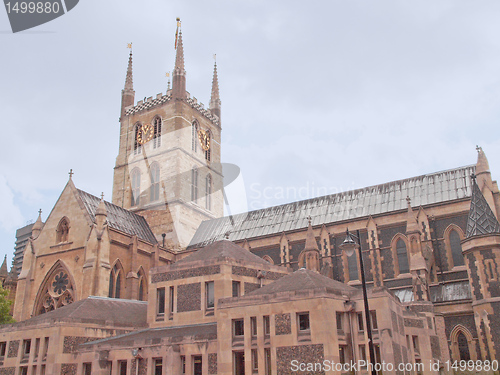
{"x": 149, "y": 103}
{"x": 160, "y": 99}
{"x": 202, "y": 110}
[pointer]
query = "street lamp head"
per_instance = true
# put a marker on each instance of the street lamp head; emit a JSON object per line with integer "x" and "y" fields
{"x": 349, "y": 245}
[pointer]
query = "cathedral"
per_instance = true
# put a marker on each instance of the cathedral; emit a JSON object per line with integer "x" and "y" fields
{"x": 158, "y": 281}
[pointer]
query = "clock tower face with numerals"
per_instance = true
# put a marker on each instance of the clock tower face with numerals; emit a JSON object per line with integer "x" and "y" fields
{"x": 168, "y": 167}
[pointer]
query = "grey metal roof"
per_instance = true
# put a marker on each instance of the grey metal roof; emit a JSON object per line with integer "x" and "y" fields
{"x": 455, "y": 291}
{"x": 119, "y": 218}
{"x": 423, "y": 190}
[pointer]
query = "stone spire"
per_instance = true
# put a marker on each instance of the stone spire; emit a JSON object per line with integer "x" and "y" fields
{"x": 311, "y": 251}
{"x": 4, "y": 272}
{"x": 411, "y": 220}
{"x": 214, "y": 97}
{"x": 38, "y": 226}
{"x": 482, "y": 165}
{"x": 179, "y": 74}
{"x": 481, "y": 218}
{"x": 128, "y": 93}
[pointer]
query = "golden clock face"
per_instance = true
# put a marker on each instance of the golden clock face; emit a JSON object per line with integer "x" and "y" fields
{"x": 204, "y": 138}
{"x": 145, "y": 134}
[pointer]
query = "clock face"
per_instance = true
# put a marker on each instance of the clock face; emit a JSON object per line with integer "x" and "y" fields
{"x": 145, "y": 134}
{"x": 204, "y": 138}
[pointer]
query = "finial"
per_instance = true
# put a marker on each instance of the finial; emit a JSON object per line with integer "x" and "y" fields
{"x": 227, "y": 235}
{"x": 40, "y": 212}
{"x": 129, "y": 46}
{"x": 309, "y": 219}
{"x": 177, "y": 31}
{"x": 70, "y": 173}
{"x": 102, "y": 196}
{"x": 478, "y": 148}
{"x": 408, "y": 199}
{"x": 167, "y": 74}
{"x": 473, "y": 177}
{"x": 215, "y": 58}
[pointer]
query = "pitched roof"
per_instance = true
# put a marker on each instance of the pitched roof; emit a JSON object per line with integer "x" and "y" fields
{"x": 222, "y": 250}
{"x": 200, "y": 331}
{"x": 302, "y": 280}
{"x": 481, "y": 219}
{"x": 423, "y": 190}
{"x": 119, "y": 218}
{"x": 97, "y": 310}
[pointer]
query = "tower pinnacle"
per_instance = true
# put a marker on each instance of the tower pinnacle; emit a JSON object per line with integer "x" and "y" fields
{"x": 128, "y": 93}
{"x": 214, "y": 97}
{"x": 179, "y": 74}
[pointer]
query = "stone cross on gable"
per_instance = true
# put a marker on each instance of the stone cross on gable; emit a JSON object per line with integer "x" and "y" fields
{"x": 71, "y": 173}
{"x": 102, "y": 196}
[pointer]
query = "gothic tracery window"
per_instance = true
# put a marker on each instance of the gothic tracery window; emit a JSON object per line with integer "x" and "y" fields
{"x": 157, "y": 132}
{"x": 115, "y": 282}
{"x": 56, "y": 292}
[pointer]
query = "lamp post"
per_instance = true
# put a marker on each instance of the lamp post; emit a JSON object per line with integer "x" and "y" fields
{"x": 348, "y": 246}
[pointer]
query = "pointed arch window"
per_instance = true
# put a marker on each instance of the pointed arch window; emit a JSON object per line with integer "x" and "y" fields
{"x": 402, "y": 254}
{"x": 115, "y": 282}
{"x": 136, "y": 187}
{"x": 142, "y": 292}
{"x": 194, "y": 136}
{"x": 352, "y": 267}
{"x": 137, "y": 145}
{"x": 57, "y": 291}
{"x": 154, "y": 191}
{"x": 194, "y": 184}
{"x": 208, "y": 192}
{"x": 463, "y": 347}
{"x": 157, "y": 132}
{"x": 62, "y": 231}
{"x": 456, "y": 248}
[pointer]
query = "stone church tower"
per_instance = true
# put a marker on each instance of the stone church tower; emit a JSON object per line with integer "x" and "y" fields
{"x": 168, "y": 166}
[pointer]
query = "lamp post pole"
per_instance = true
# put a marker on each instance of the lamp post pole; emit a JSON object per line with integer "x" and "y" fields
{"x": 350, "y": 244}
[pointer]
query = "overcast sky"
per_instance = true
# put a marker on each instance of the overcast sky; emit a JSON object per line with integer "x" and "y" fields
{"x": 317, "y": 96}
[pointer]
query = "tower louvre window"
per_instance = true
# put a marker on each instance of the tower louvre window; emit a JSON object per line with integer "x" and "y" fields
{"x": 154, "y": 193}
{"x": 404, "y": 266}
{"x": 194, "y": 184}
{"x": 194, "y": 136}
{"x": 157, "y": 132}
{"x": 208, "y": 151}
{"x": 137, "y": 145}
{"x": 208, "y": 192}
{"x": 136, "y": 187}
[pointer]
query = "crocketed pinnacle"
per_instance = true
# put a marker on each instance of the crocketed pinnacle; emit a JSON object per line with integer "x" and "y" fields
{"x": 311, "y": 243}
{"x": 481, "y": 219}
{"x": 179, "y": 57}
{"x": 129, "y": 84}
{"x": 4, "y": 272}
{"x": 214, "y": 97}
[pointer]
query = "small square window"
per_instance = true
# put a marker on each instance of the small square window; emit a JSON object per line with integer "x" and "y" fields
{"x": 87, "y": 368}
{"x": 160, "y": 300}
{"x": 340, "y": 326}
{"x": 253, "y": 326}
{"x": 3, "y": 348}
{"x": 209, "y": 295}
{"x": 373, "y": 316}
{"x": 303, "y": 320}
{"x": 236, "y": 288}
{"x": 361, "y": 324}
{"x": 267, "y": 325}
{"x": 183, "y": 364}
{"x": 238, "y": 327}
{"x": 416, "y": 346}
{"x": 122, "y": 366}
